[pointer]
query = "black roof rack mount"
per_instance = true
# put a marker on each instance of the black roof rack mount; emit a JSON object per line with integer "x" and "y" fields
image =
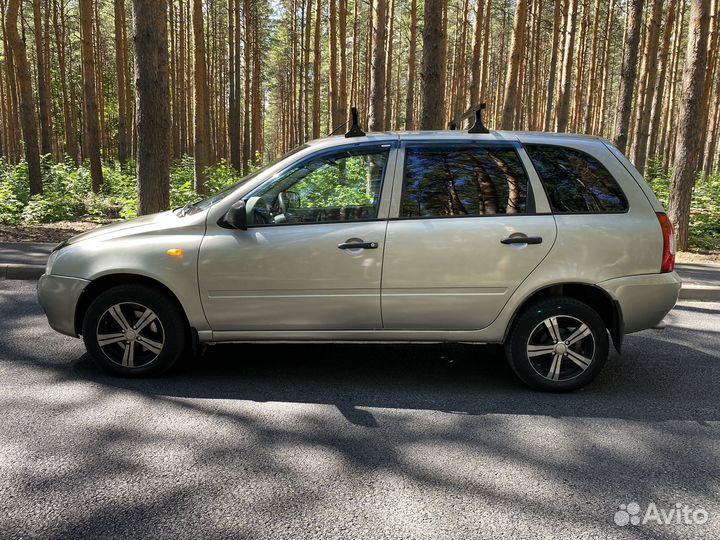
{"x": 478, "y": 126}
{"x": 354, "y": 130}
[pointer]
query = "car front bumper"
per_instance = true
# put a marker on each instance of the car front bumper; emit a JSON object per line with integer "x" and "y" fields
{"x": 644, "y": 299}
{"x": 58, "y": 296}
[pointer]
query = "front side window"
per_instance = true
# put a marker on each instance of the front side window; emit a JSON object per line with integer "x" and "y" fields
{"x": 465, "y": 180}
{"x": 342, "y": 186}
{"x": 575, "y": 181}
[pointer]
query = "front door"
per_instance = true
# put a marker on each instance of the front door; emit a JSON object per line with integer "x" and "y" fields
{"x": 466, "y": 236}
{"x": 311, "y": 258}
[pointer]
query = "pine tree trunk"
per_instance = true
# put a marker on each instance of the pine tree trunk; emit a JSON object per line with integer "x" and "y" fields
{"x": 27, "y": 102}
{"x": 517, "y": 45}
{"x": 389, "y": 66}
{"x": 484, "y": 82}
{"x": 660, "y": 82}
{"x": 645, "y": 93}
{"x": 688, "y": 148}
{"x": 475, "y": 66}
{"x": 712, "y": 55}
{"x": 553, "y": 66}
{"x": 563, "y": 113}
{"x": 432, "y": 75}
{"x": 316, "y": 73}
{"x": 246, "y": 89}
{"x": 333, "y": 90}
{"x": 43, "y": 84}
{"x": 412, "y": 53}
{"x": 377, "y": 73}
{"x": 628, "y": 74}
{"x": 92, "y": 128}
{"x": 342, "y": 93}
{"x": 153, "y": 104}
{"x": 236, "y": 85}
{"x": 121, "y": 60}
{"x": 202, "y": 143}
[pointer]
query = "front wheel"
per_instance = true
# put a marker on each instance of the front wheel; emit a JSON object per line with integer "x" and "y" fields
{"x": 557, "y": 344}
{"x": 134, "y": 331}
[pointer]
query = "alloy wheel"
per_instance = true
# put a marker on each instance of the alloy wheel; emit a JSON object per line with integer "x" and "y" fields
{"x": 130, "y": 334}
{"x": 561, "y": 347}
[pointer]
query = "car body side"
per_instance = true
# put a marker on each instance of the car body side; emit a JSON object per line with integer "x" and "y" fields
{"x": 614, "y": 258}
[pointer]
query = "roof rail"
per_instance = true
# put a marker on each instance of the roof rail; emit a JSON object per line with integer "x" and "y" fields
{"x": 354, "y": 130}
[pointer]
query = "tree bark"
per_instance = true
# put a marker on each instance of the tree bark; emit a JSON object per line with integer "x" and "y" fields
{"x": 628, "y": 74}
{"x": 202, "y": 113}
{"x": 27, "y": 103}
{"x": 42, "y": 82}
{"x": 342, "y": 93}
{"x": 121, "y": 61}
{"x": 92, "y": 129}
{"x": 333, "y": 90}
{"x": 377, "y": 73}
{"x": 412, "y": 52}
{"x": 659, "y": 90}
{"x": 153, "y": 104}
{"x": 553, "y": 66}
{"x": 563, "y": 112}
{"x": 647, "y": 87}
{"x": 601, "y": 115}
{"x": 687, "y": 152}
{"x": 517, "y": 46}
{"x": 389, "y": 67}
{"x": 433, "y": 66}
{"x": 475, "y": 66}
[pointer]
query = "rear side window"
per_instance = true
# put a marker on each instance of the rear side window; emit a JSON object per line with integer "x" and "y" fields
{"x": 463, "y": 181}
{"x": 575, "y": 181}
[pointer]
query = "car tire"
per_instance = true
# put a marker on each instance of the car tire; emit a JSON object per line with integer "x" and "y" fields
{"x": 135, "y": 331}
{"x": 544, "y": 362}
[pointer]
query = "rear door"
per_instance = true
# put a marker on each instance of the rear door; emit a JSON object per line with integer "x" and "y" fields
{"x": 465, "y": 230}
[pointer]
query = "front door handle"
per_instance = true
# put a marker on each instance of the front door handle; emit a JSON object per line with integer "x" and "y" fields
{"x": 358, "y": 245}
{"x": 522, "y": 240}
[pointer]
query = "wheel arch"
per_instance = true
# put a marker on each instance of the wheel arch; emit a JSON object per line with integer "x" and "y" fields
{"x": 108, "y": 281}
{"x": 598, "y": 299}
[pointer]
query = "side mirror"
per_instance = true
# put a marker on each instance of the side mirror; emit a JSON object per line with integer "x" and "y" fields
{"x": 235, "y": 217}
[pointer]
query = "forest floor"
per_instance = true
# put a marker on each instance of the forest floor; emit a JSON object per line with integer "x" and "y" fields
{"x": 45, "y": 232}
{"x": 62, "y": 230}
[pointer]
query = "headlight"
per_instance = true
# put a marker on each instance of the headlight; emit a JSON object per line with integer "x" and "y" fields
{"x": 50, "y": 262}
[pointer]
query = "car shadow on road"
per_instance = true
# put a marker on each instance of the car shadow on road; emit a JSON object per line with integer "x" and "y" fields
{"x": 651, "y": 381}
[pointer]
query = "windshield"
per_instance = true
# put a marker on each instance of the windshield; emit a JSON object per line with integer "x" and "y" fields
{"x": 208, "y": 202}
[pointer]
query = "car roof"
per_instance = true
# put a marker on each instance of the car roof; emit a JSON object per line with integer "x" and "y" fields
{"x": 456, "y": 135}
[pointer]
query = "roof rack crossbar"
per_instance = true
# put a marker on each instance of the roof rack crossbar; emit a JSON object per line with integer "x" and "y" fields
{"x": 354, "y": 130}
{"x": 478, "y": 126}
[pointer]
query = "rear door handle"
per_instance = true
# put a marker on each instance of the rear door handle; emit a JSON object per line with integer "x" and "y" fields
{"x": 358, "y": 245}
{"x": 522, "y": 240}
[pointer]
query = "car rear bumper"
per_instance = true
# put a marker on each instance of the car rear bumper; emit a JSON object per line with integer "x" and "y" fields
{"x": 58, "y": 296}
{"x": 644, "y": 299}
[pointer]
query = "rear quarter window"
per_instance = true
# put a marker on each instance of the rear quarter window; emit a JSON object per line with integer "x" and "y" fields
{"x": 576, "y": 182}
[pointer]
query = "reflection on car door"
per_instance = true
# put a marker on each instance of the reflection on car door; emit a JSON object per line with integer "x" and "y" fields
{"x": 312, "y": 256}
{"x": 466, "y": 236}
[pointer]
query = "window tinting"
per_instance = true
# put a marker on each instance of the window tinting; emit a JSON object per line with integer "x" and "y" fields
{"x": 463, "y": 181}
{"x": 576, "y": 181}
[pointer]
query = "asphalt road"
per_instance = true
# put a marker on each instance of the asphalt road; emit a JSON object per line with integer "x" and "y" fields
{"x": 279, "y": 441}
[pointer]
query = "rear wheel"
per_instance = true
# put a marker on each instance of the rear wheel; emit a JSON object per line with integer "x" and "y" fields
{"x": 134, "y": 330}
{"x": 557, "y": 344}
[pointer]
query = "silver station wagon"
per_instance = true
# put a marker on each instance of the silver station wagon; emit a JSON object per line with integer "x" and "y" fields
{"x": 553, "y": 245}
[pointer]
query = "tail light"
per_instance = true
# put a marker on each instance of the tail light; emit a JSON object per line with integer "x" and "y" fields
{"x": 668, "y": 256}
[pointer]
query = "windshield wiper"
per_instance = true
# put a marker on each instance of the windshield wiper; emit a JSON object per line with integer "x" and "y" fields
{"x": 189, "y": 206}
